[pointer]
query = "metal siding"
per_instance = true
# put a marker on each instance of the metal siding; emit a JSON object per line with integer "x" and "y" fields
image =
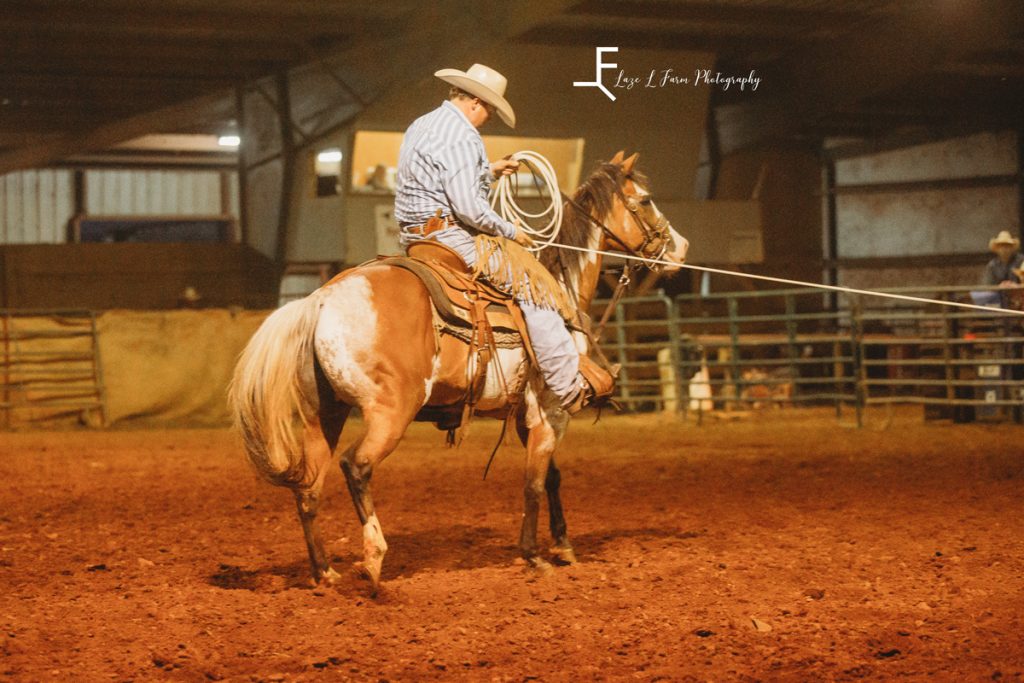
{"x": 64, "y": 203}
{"x": 15, "y": 212}
{"x": 153, "y": 193}
{"x": 35, "y": 206}
{"x": 919, "y": 223}
{"x": 233, "y": 194}
{"x": 984, "y": 154}
{"x": 46, "y": 207}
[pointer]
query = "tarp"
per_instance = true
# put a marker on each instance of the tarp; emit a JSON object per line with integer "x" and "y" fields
{"x": 171, "y": 367}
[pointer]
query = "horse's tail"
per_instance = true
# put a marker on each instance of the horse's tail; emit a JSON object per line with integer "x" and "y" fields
{"x": 266, "y": 394}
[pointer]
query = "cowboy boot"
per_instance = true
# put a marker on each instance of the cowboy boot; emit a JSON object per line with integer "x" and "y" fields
{"x": 599, "y": 386}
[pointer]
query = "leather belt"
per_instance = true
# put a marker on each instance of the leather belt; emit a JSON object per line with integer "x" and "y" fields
{"x": 433, "y": 224}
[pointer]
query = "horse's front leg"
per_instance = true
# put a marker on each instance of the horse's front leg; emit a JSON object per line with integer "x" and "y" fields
{"x": 562, "y": 549}
{"x": 545, "y": 431}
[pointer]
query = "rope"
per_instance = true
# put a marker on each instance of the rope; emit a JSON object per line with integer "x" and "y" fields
{"x": 503, "y": 199}
{"x": 800, "y": 283}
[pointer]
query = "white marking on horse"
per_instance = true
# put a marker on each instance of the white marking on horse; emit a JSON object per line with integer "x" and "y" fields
{"x": 428, "y": 383}
{"x": 374, "y": 544}
{"x": 346, "y": 338}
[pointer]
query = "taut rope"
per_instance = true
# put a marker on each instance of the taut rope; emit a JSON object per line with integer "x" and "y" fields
{"x": 546, "y": 236}
{"x": 800, "y": 283}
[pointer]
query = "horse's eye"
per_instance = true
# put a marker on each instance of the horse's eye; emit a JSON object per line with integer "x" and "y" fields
{"x": 646, "y": 200}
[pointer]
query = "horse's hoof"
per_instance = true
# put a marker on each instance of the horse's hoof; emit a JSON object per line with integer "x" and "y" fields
{"x": 371, "y": 572}
{"x": 563, "y": 555}
{"x": 539, "y": 566}
{"x": 328, "y": 577}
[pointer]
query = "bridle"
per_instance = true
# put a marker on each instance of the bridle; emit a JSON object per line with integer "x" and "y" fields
{"x": 656, "y": 238}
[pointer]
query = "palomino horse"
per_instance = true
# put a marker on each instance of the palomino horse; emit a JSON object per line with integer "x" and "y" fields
{"x": 367, "y": 339}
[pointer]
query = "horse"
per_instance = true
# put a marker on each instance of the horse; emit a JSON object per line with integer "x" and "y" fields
{"x": 366, "y": 339}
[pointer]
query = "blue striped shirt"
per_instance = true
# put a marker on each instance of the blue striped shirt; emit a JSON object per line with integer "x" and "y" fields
{"x": 443, "y": 165}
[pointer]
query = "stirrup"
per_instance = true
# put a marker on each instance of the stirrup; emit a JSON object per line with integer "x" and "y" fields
{"x": 597, "y": 389}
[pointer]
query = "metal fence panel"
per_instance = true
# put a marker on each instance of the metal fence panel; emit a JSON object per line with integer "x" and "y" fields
{"x": 747, "y": 349}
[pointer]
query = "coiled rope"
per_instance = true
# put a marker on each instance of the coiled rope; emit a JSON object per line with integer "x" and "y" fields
{"x": 503, "y": 200}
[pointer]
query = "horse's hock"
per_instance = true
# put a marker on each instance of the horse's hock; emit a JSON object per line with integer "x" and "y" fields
{"x": 120, "y": 366}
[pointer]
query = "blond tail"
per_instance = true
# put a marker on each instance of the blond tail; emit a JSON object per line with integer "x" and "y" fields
{"x": 266, "y": 395}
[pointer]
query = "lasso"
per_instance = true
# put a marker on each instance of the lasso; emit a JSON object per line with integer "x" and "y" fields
{"x": 503, "y": 200}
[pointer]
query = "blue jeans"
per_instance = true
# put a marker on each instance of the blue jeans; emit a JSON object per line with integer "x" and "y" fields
{"x": 552, "y": 343}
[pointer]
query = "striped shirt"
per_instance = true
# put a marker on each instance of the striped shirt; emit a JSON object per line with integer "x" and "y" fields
{"x": 443, "y": 165}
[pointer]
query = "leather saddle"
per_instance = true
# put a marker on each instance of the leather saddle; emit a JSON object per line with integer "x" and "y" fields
{"x": 474, "y": 305}
{"x": 461, "y": 300}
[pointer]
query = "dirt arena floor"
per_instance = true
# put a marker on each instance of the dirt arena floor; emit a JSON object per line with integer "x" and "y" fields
{"x": 786, "y": 546}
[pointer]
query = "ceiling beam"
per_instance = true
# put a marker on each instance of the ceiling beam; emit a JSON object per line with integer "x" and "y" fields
{"x": 119, "y": 68}
{"x": 76, "y": 86}
{"x": 840, "y": 74}
{"x": 69, "y": 43}
{"x": 313, "y": 11}
{"x": 744, "y": 15}
{"x": 564, "y": 33}
{"x": 108, "y": 134}
{"x": 209, "y": 24}
{"x": 389, "y": 57}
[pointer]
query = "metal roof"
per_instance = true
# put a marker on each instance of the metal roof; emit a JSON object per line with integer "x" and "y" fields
{"x": 71, "y": 71}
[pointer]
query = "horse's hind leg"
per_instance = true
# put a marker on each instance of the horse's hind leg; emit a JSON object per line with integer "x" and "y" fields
{"x": 383, "y": 433}
{"x": 320, "y": 438}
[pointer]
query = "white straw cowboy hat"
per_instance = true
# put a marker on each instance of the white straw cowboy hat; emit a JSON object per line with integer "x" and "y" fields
{"x": 483, "y": 82}
{"x": 1003, "y": 238}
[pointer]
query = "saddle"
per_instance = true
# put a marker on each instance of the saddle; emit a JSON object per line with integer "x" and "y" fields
{"x": 469, "y": 309}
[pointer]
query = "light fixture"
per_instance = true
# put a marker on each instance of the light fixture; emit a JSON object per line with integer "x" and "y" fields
{"x": 229, "y": 141}
{"x": 329, "y": 156}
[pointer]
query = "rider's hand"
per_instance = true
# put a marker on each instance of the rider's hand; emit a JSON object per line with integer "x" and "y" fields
{"x": 521, "y": 238}
{"x": 504, "y": 167}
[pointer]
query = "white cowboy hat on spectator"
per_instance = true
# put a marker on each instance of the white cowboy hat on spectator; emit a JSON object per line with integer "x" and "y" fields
{"x": 483, "y": 82}
{"x": 1003, "y": 238}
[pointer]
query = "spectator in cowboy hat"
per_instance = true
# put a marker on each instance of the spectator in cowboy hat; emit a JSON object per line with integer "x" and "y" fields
{"x": 1002, "y": 269}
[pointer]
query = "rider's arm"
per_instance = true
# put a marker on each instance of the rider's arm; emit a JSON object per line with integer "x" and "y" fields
{"x": 466, "y": 188}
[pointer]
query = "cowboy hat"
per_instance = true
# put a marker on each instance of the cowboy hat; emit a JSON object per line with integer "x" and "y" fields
{"x": 1003, "y": 238}
{"x": 483, "y": 82}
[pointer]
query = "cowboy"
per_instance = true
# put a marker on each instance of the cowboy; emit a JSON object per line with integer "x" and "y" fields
{"x": 1000, "y": 270}
{"x": 443, "y": 172}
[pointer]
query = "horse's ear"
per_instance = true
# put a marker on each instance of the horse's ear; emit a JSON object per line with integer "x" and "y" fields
{"x": 617, "y": 159}
{"x": 628, "y": 164}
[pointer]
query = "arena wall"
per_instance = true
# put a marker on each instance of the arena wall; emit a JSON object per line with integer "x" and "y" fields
{"x": 171, "y": 367}
{"x": 121, "y": 367}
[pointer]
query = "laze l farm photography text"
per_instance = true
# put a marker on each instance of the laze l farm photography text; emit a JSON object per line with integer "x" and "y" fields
{"x": 661, "y": 78}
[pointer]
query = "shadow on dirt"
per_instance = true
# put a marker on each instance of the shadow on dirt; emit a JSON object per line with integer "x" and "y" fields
{"x": 454, "y": 548}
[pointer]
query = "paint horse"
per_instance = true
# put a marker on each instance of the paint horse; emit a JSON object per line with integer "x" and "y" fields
{"x": 367, "y": 340}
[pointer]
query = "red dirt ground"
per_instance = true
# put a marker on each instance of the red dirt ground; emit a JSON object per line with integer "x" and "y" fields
{"x": 869, "y": 554}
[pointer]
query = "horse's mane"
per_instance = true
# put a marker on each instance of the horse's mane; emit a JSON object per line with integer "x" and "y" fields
{"x": 594, "y": 198}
